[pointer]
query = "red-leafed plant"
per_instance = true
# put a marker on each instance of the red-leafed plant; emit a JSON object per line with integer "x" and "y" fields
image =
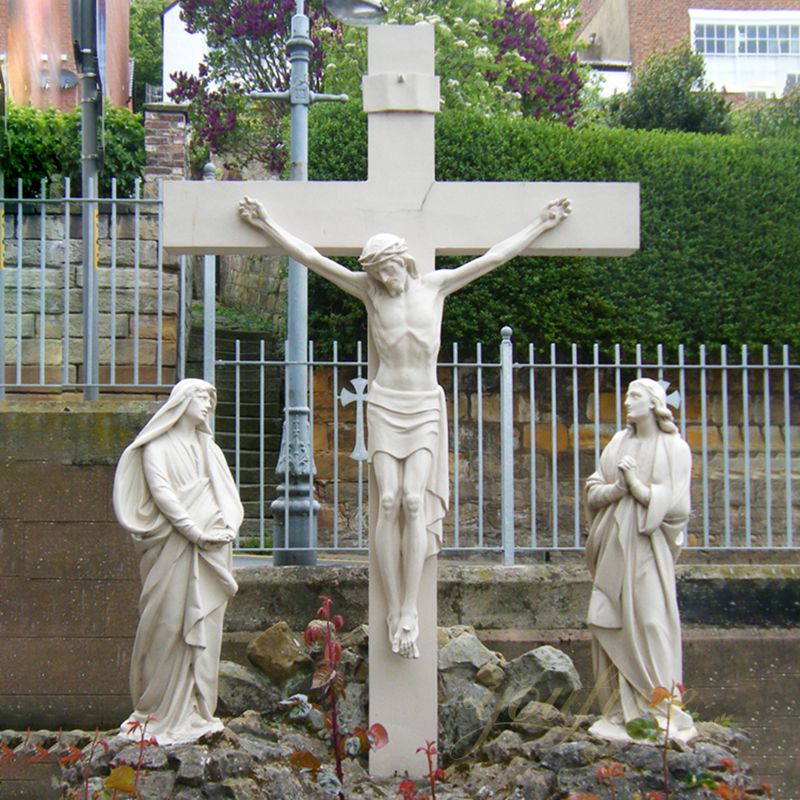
{"x": 736, "y": 787}
{"x": 607, "y": 774}
{"x": 329, "y": 680}
{"x": 408, "y": 789}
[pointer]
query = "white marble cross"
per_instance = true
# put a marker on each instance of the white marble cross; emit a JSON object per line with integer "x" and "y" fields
{"x": 402, "y": 196}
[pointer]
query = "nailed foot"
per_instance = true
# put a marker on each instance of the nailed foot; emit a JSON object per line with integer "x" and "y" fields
{"x": 404, "y": 642}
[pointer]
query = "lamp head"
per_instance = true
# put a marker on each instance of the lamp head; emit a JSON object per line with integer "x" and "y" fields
{"x": 357, "y": 12}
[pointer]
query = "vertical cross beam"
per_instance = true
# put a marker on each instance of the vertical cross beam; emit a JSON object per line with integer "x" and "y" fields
{"x": 401, "y": 95}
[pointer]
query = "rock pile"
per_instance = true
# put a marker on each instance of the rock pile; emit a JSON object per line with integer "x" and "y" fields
{"x": 506, "y": 733}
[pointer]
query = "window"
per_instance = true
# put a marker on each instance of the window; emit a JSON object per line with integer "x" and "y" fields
{"x": 747, "y": 39}
{"x": 769, "y": 39}
{"x": 715, "y": 38}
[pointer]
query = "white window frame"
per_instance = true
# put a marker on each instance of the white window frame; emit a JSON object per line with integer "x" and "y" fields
{"x": 743, "y": 19}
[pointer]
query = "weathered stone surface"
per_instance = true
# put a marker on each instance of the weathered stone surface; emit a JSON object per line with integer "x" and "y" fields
{"x": 465, "y": 709}
{"x": 358, "y": 638}
{"x": 353, "y": 708}
{"x": 157, "y": 785}
{"x": 536, "y": 718}
{"x": 544, "y": 674}
{"x": 253, "y": 724}
{"x": 505, "y": 746}
{"x": 191, "y": 761}
{"x": 278, "y": 652}
{"x": 152, "y": 757}
{"x": 280, "y": 782}
{"x": 535, "y": 784}
{"x": 244, "y": 688}
{"x": 229, "y": 764}
{"x": 490, "y": 675}
{"x": 569, "y": 755}
{"x": 466, "y": 650}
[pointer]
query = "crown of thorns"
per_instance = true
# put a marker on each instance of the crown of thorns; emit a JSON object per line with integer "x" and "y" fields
{"x": 375, "y": 253}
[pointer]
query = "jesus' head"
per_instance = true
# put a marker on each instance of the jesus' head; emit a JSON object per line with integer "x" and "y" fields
{"x": 386, "y": 260}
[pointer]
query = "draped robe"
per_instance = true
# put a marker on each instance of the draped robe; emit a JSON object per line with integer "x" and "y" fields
{"x": 631, "y": 552}
{"x": 167, "y": 491}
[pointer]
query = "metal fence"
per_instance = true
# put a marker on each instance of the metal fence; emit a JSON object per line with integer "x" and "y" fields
{"x": 132, "y": 323}
{"x": 526, "y": 432}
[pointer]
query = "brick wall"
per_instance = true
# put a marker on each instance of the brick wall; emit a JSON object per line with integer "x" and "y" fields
{"x": 660, "y": 29}
{"x": 166, "y": 132}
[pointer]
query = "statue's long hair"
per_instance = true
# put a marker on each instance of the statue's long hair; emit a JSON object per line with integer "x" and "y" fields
{"x": 657, "y": 394}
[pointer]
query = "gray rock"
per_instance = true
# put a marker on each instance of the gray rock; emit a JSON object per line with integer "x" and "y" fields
{"x": 152, "y": 757}
{"x": 242, "y": 688}
{"x": 535, "y": 784}
{"x": 466, "y": 711}
{"x": 490, "y": 675}
{"x": 253, "y": 723}
{"x": 544, "y": 674}
{"x": 466, "y": 649}
{"x": 259, "y": 749}
{"x": 187, "y": 793}
{"x": 224, "y": 764}
{"x": 279, "y": 782}
{"x": 191, "y": 761}
{"x": 352, "y": 709}
{"x": 501, "y": 749}
{"x": 568, "y": 755}
{"x": 156, "y": 785}
{"x": 536, "y": 718}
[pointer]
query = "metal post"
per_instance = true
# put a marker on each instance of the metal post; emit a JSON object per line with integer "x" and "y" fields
{"x": 209, "y": 301}
{"x": 295, "y": 532}
{"x": 89, "y": 169}
{"x": 507, "y": 446}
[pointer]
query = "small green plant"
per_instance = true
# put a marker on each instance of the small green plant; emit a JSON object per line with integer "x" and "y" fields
{"x": 329, "y": 680}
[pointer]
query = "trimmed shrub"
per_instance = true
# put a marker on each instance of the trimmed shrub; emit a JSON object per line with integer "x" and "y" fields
{"x": 45, "y": 144}
{"x": 720, "y": 243}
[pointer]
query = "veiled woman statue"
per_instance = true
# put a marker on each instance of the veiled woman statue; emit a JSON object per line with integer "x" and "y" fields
{"x": 638, "y": 504}
{"x": 174, "y": 493}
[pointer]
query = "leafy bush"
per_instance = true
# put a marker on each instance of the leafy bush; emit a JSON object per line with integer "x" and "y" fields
{"x": 46, "y": 144}
{"x": 772, "y": 117}
{"x": 719, "y": 238}
{"x": 669, "y": 93}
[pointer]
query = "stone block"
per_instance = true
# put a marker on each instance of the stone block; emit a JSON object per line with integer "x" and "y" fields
{"x": 41, "y": 492}
{"x": 27, "y": 325}
{"x": 66, "y": 665}
{"x": 31, "y": 351}
{"x": 544, "y": 437}
{"x": 694, "y": 437}
{"x": 320, "y": 437}
{"x": 148, "y": 326}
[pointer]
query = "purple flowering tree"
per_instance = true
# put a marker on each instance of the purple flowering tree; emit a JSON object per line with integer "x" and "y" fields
{"x": 247, "y": 53}
{"x": 495, "y": 56}
{"x": 548, "y": 84}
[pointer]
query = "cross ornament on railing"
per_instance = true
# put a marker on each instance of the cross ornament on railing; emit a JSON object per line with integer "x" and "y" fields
{"x": 673, "y": 398}
{"x": 359, "y": 397}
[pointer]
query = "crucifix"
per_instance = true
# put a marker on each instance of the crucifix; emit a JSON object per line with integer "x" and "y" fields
{"x": 401, "y": 194}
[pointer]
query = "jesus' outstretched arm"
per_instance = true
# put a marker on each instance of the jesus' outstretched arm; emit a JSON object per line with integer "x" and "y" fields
{"x": 351, "y": 282}
{"x": 454, "y": 279}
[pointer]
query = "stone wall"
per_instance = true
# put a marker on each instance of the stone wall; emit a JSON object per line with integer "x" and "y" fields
{"x": 57, "y": 300}
{"x": 554, "y": 454}
{"x": 69, "y": 579}
{"x": 255, "y": 285}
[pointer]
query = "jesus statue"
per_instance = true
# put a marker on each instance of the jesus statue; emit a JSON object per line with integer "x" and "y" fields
{"x": 406, "y": 416}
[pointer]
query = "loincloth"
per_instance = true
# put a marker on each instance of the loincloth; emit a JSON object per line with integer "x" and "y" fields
{"x": 399, "y": 423}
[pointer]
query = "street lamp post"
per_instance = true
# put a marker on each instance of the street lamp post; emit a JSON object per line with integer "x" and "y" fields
{"x": 295, "y": 509}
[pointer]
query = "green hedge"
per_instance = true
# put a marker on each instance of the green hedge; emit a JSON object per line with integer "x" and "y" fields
{"x": 46, "y": 144}
{"x": 720, "y": 239}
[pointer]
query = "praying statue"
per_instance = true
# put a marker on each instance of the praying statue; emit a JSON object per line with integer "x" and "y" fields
{"x": 174, "y": 493}
{"x": 638, "y": 503}
{"x": 406, "y": 416}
